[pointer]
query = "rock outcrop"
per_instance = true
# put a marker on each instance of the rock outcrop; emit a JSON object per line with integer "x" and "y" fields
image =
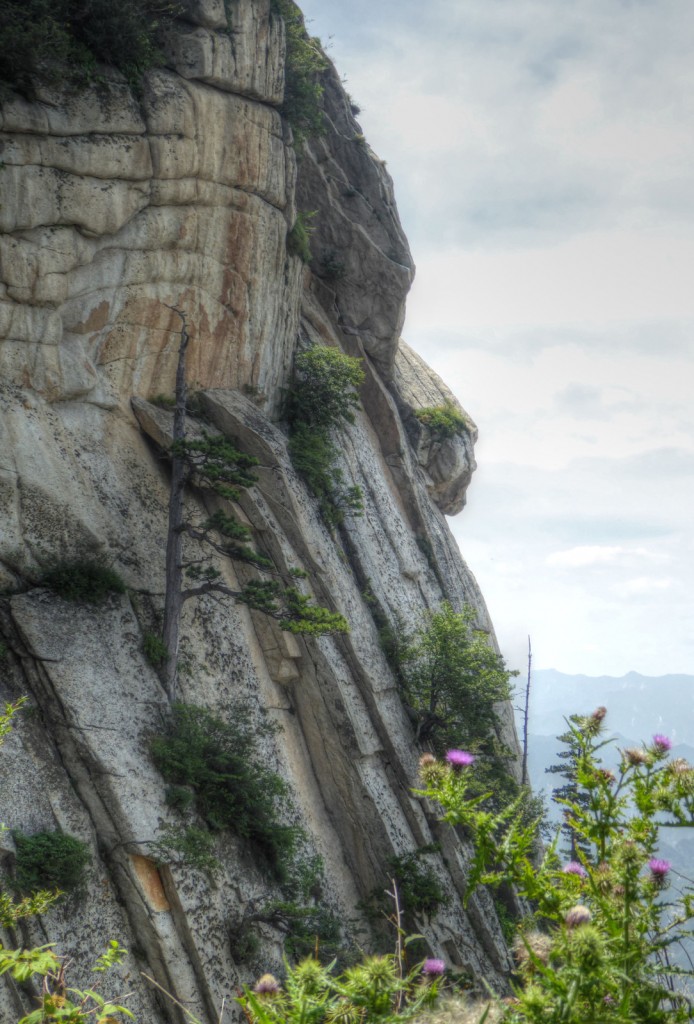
{"x": 114, "y": 209}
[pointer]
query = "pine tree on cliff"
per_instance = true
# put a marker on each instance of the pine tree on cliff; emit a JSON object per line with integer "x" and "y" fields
{"x": 216, "y": 466}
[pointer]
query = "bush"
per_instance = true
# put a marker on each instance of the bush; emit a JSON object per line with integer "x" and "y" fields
{"x": 420, "y": 892}
{"x": 63, "y": 39}
{"x": 49, "y": 860}
{"x": 326, "y": 388}
{"x": 443, "y": 420}
{"x": 233, "y": 789}
{"x": 313, "y": 455}
{"x": 303, "y": 66}
{"x": 85, "y": 580}
{"x": 299, "y": 237}
{"x": 154, "y": 650}
{"x": 324, "y": 394}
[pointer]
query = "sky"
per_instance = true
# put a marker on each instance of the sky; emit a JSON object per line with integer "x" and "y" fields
{"x": 543, "y": 159}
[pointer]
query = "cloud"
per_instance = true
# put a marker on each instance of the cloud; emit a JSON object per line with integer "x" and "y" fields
{"x": 581, "y": 557}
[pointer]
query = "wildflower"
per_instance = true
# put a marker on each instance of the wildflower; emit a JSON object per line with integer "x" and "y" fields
{"x": 662, "y": 743}
{"x": 458, "y": 759}
{"x": 680, "y": 766}
{"x": 577, "y": 916}
{"x": 426, "y": 760}
{"x": 532, "y": 946}
{"x": 267, "y": 984}
{"x": 635, "y": 757}
{"x": 599, "y": 714}
{"x": 574, "y": 868}
{"x": 607, "y": 776}
{"x": 433, "y": 968}
{"x": 659, "y": 868}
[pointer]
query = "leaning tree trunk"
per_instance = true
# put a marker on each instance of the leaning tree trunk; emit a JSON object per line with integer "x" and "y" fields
{"x": 174, "y": 538}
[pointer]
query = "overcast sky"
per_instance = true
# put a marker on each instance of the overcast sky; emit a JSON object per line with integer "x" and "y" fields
{"x": 543, "y": 159}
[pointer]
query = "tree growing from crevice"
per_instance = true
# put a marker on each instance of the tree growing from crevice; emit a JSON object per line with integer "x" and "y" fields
{"x": 214, "y": 464}
{"x": 452, "y": 681}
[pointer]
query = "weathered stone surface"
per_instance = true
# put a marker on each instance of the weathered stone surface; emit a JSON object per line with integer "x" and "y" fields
{"x": 449, "y": 462}
{"x": 114, "y": 210}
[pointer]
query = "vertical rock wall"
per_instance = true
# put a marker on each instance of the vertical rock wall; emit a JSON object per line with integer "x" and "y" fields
{"x": 113, "y": 210}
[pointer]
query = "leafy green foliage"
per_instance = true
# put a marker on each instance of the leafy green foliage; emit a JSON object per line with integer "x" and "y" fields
{"x": 419, "y": 890}
{"x": 64, "y": 39}
{"x": 299, "y": 237}
{"x": 324, "y": 395}
{"x": 452, "y": 679}
{"x": 376, "y": 990}
{"x": 570, "y": 791}
{"x": 49, "y": 860}
{"x": 233, "y": 789}
{"x": 303, "y": 66}
{"x": 191, "y": 844}
{"x": 310, "y": 925}
{"x": 443, "y": 420}
{"x": 326, "y": 387}
{"x": 295, "y": 611}
{"x": 154, "y": 649}
{"x": 313, "y": 455}
{"x": 597, "y": 947}
{"x": 87, "y": 580}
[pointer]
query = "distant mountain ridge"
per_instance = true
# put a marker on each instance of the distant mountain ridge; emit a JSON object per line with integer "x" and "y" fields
{"x": 637, "y": 705}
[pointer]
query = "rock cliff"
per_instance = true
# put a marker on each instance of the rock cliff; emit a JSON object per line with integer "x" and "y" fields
{"x": 114, "y": 208}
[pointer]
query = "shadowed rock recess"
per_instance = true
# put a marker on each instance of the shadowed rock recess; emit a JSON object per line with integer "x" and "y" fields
{"x": 113, "y": 208}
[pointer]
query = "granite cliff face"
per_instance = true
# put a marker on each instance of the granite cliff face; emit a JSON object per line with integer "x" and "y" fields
{"x": 113, "y": 209}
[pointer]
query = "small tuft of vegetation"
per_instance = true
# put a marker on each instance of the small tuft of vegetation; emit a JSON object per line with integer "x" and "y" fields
{"x": 164, "y": 401}
{"x": 324, "y": 394}
{"x": 299, "y": 237}
{"x": 420, "y": 892}
{"x": 154, "y": 650}
{"x": 63, "y": 40}
{"x": 443, "y": 421}
{"x": 49, "y": 860}
{"x": 332, "y": 268}
{"x": 190, "y": 844}
{"x": 87, "y": 580}
{"x": 305, "y": 61}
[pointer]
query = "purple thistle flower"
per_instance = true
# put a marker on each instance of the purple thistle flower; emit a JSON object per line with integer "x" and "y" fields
{"x": 659, "y": 868}
{"x": 662, "y": 743}
{"x": 433, "y": 968}
{"x": 574, "y": 868}
{"x": 267, "y": 984}
{"x": 577, "y": 916}
{"x": 459, "y": 758}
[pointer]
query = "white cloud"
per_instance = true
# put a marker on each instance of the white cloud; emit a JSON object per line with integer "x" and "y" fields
{"x": 595, "y": 555}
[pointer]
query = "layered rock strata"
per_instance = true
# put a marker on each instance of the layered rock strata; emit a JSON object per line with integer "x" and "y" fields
{"x": 115, "y": 210}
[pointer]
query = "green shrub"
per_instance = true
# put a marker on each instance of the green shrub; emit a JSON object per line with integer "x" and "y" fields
{"x": 323, "y": 395}
{"x": 313, "y": 455}
{"x": 443, "y": 420}
{"x": 193, "y": 845}
{"x": 326, "y": 386}
{"x": 332, "y": 268}
{"x": 87, "y": 580}
{"x": 420, "y": 892}
{"x": 233, "y": 789}
{"x": 61, "y": 40}
{"x": 303, "y": 66}
{"x": 49, "y": 860}
{"x": 299, "y": 237}
{"x": 154, "y": 649}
